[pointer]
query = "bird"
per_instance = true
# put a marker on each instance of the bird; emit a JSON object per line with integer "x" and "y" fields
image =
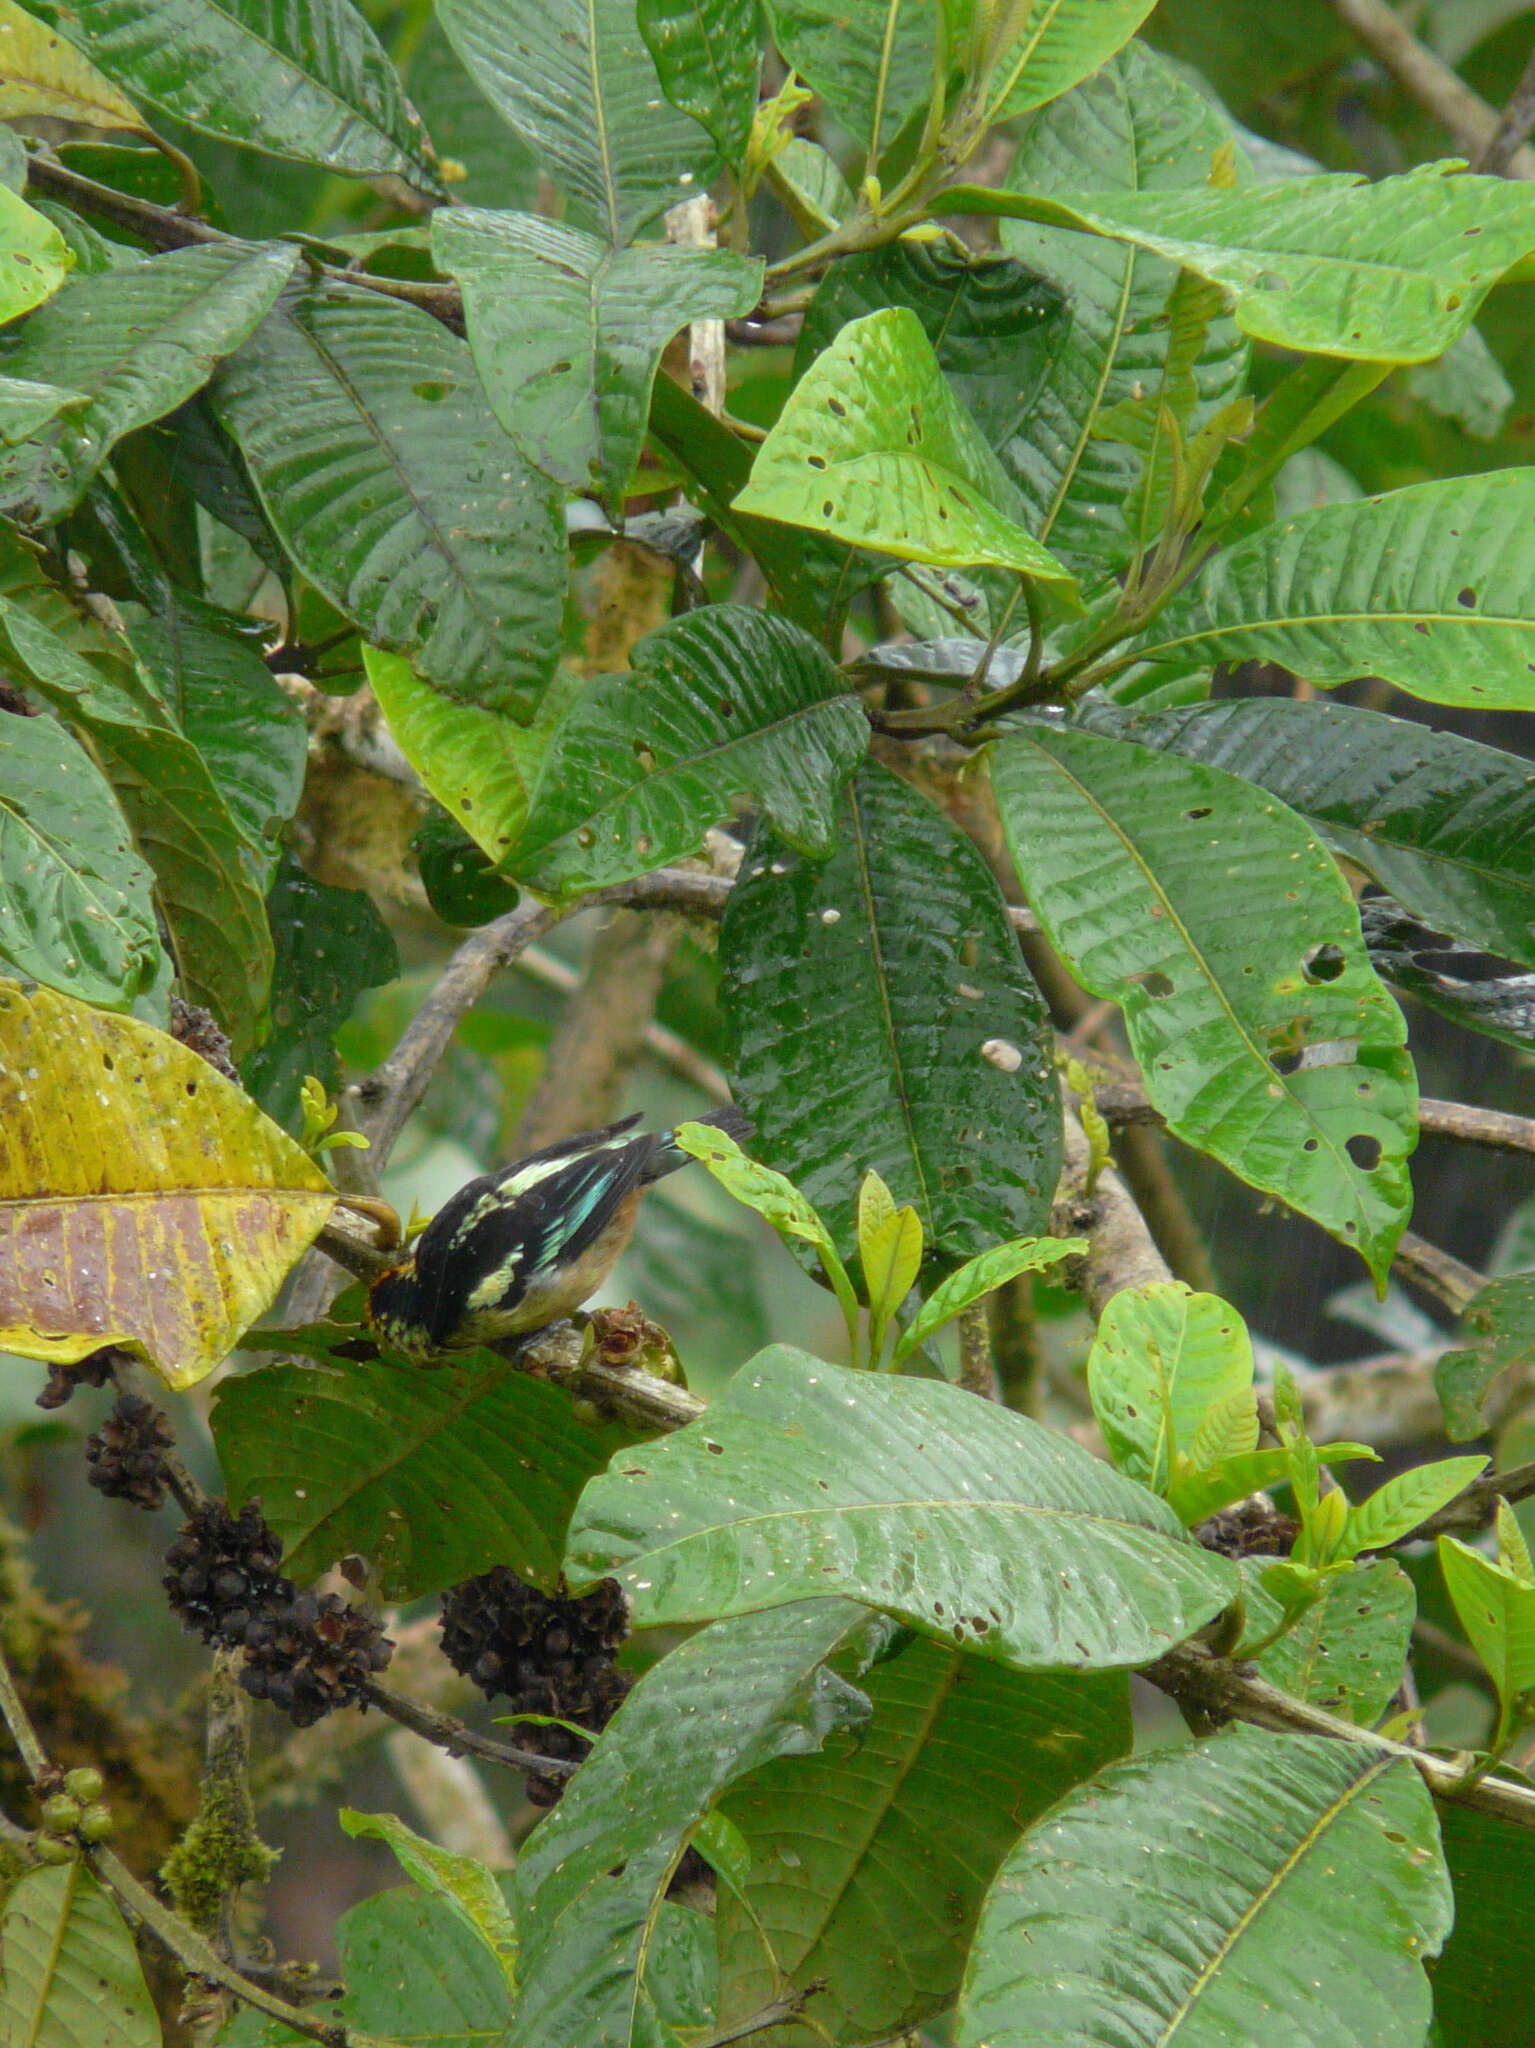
{"x": 517, "y": 1249}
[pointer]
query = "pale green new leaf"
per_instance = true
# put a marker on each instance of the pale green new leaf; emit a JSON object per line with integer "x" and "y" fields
{"x": 567, "y": 332}
{"x": 973, "y": 1524}
{"x": 1389, "y": 272}
{"x": 1497, "y": 1611}
{"x": 873, "y": 448}
{"x": 1183, "y": 1888}
{"x": 1431, "y": 588}
{"x": 1223, "y": 929}
{"x": 463, "y": 1884}
{"x": 576, "y": 81}
{"x": 1161, "y": 1358}
{"x": 979, "y": 1277}
{"x": 34, "y": 258}
{"x": 72, "y": 1977}
{"x": 1396, "y": 1508}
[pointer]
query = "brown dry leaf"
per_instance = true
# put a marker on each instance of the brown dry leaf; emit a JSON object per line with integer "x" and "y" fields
{"x": 144, "y": 1200}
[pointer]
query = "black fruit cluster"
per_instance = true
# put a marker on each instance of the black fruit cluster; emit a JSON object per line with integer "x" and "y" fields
{"x": 94, "y": 1370}
{"x": 306, "y": 1653}
{"x": 126, "y": 1456}
{"x": 196, "y": 1029}
{"x": 547, "y": 1655}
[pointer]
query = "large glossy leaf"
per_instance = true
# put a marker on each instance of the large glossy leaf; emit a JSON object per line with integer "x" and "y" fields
{"x": 567, "y": 333}
{"x": 869, "y": 1859}
{"x": 1480, "y": 1976}
{"x": 873, "y": 448}
{"x": 34, "y": 257}
{"x": 72, "y": 1977}
{"x": 138, "y": 340}
{"x": 709, "y": 57}
{"x": 398, "y": 494}
{"x": 296, "y": 78}
{"x": 207, "y": 873}
{"x": 866, "y": 995}
{"x": 971, "y": 1523}
{"x": 1431, "y": 587}
{"x": 576, "y": 81}
{"x": 1223, "y": 929}
{"x": 359, "y": 1456}
{"x": 995, "y": 327}
{"x": 144, "y": 1199}
{"x": 208, "y": 670}
{"x": 592, "y": 1874}
{"x": 1143, "y": 127}
{"x": 1260, "y": 1849}
{"x": 726, "y": 704}
{"x": 75, "y": 905}
{"x": 42, "y": 75}
{"x": 1447, "y": 825}
{"x": 1389, "y": 272}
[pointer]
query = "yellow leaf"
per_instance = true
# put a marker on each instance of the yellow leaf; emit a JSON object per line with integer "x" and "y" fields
{"x": 41, "y": 74}
{"x": 144, "y": 1200}
{"x": 876, "y": 1205}
{"x": 890, "y": 1261}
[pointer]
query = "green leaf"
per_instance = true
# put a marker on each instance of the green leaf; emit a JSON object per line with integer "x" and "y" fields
{"x": 870, "y": 60}
{"x": 460, "y": 1882}
{"x": 979, "y": 1277}
{"x": 393, "y": 488}
{"x": 1348, "y": 1650}
{"x": 592, "y": 1874}
{"x": 1480, "y": 1978}
{"x": 1445, "y": 824}
{"x": 34, "y": 258}
{"x": 891, "y": 1260}
{"x": 480, "y": 765}
{"x": 995, "y": 328}
{"x": 1466, "y": 384}
{"x": 1497, "y": 1611}
{"x": 1330, "y": 265}
{"x": 1500, "y": 1320}
{"x": 138, "y": 340}
{"x": 1061, "y": 43}
{"x": 26, "y": 407}
{"x": 809, "y": 181}
{"x": 75, "y": 905}
{"x": 359, "y": 1455}
{"x": 893, "y": 968}
{"x": 708, "y": 54}
{"x": 1162, "y": 884}
{"x": 579, "y": 86}
{"x": 72, "y": 1977}
{"x": 40, "y": 75}
{"x": 1142, "y": 126}
{"x": 971, "y": 1523}
{"x": 1267, "y": 1848}
{"x": 208, "y": 669}
{"x": 567, "y": 333}
{"x": 1395, "y": 1509}
{"x": 869, "y": 1860}
{"x": 330, "y": 945}
{"x": 1162, "y": 1357}
{"x": 306, "y": 79}
{"x": 207, "y": 879}
{"x": 725, "y": 704}
{"x": 873, "y": 448}
{"x": 1429, "y": 587}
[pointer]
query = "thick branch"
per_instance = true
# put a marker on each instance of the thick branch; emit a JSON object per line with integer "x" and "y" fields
{"x": 1433, "y": 85}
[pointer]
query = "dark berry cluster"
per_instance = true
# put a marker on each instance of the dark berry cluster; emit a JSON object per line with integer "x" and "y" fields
{"x": 306, "y": 1653}
{"x": 195, "y": 1028}
{"x": 1250, "y": 1528}
{"x": 546, "y": 1655}
{"x": 94, "y": 1370}
{"x": 126, "y": 1455}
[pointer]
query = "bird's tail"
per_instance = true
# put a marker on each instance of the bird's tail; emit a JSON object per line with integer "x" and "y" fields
{"x": 735, "y": 1123}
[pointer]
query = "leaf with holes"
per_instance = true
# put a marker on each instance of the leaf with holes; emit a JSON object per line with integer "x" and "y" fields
{"x": 1429, "y": 587}
{"x": 1332, "y": 265}
{"x": 72, "y": 1977}
{"x": 882, "y": 1017}
{"x": 708, "y": 54}
{"x": 152, "y": 1205}
{"x": 1347, "y": 1651}
{"x": 1500, "y": 1320}
{"x": 34, "y": 258}
{"x": 75, "y": 905}
{"x": 870, "y": 1858}
{"x": 567, "y": 333}
{"x": 872, "y": 447}
{"x": 1271, "y": 1847}
{"x": 973, "y": 1524}
{"x": 723, "y": 706}
{"x": 297, "y": 78}
{"x": 579, "y": 86}
{"x": 1223, "y": 929}
{"x": 1444, "y": 823}
{"x": 398, "y": 494}
{"x": 1144, "y": 127}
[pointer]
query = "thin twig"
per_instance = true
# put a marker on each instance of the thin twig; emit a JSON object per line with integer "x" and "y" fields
{"x": 773, "y": 2014}
{"x": 1448, "y": 1279}
{"x": 1433, "y": 85}
{"x": 457, "y": 1737}
{"x": 19, "y": 1721}
{"x": 665, "y": 1047}
{"x": 1517, "y": 121}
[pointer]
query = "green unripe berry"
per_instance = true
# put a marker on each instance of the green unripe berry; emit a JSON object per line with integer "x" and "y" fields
{"x": 84, "y": 1782}
{"x": 61, "y": 1814}
{"x": 96, "y": 1823}
{"x": 48, "y": 1850}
